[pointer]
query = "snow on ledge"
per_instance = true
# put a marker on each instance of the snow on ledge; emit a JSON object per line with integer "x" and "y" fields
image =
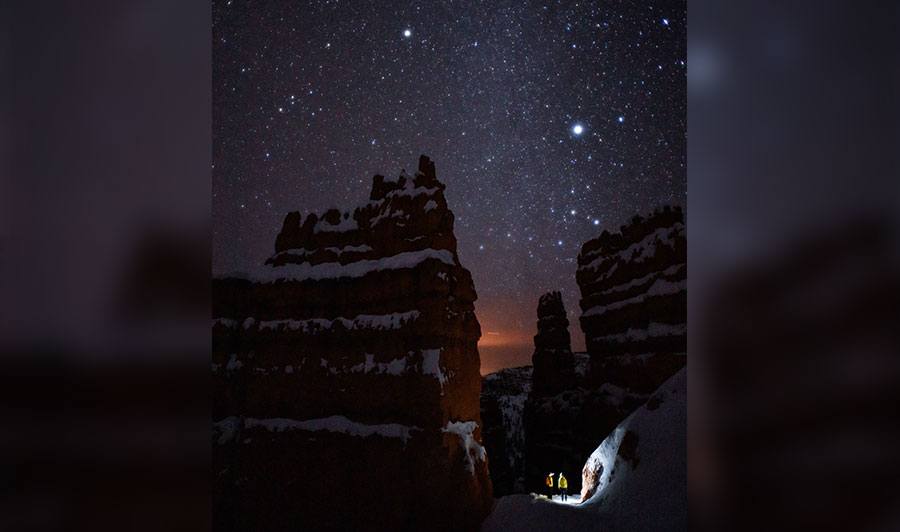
{"x": 431, "y": 365}
{"x": 339, "y": 424}
{"x": 660, "y": 287}
{"x": 335, "y": 270}
{"x": 653, "y": 330}
{"x": 361, "y": 322}
{"x": 394, "y": 367}
{"x": 474, "y": 450}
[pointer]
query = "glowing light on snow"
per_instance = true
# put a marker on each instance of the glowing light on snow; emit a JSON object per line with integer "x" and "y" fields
{"x": 577, "y": 129}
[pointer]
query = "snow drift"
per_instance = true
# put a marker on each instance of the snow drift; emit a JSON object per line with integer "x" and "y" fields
{"x": 641, "y": 485}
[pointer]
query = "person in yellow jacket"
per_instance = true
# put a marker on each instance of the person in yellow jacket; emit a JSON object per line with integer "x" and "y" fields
{"x": 549, "y": 482}
{"x": 563, "y": 486}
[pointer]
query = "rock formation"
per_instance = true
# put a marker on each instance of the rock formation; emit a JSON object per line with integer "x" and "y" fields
{"x": 554, "y": 364}
{"x": 634, "y": 301}
{"x": 503, "y": 395}
{"x": 633, "y": 298}
{"x": 346, "y": 373}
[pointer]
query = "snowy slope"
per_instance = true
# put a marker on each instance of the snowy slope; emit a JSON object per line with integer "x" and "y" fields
{"x": 647, "y": 493}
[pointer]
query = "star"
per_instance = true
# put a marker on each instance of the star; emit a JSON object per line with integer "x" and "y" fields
{"x": 666, "y": 21}
{"x": 407, "y": 33}
{"x": 621, "y": 119}
{"x": 577, "y": 129}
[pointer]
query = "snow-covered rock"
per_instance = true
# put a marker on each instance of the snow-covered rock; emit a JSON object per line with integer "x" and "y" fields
{"x": 634, "y": 297}
{"x": 346, "y": 373}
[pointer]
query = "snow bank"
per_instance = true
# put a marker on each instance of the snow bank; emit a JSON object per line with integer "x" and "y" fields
{"x": 647, "y": 492}
{"x": 335, "y": 270}
{"x": 474, "y": 450}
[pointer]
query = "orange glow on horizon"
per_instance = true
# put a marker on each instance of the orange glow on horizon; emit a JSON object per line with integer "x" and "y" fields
{"x": 503, "y": 338}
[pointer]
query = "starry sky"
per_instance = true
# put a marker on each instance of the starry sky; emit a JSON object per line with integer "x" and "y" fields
{"x": 548, "y": 122}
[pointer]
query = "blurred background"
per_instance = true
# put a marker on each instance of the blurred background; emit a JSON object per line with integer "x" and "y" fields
{"x": 794, "y": 240}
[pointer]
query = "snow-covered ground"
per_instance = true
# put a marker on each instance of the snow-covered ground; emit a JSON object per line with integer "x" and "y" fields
{"x": 647, "y": 493}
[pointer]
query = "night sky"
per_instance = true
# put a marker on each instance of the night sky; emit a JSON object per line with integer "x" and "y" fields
{"x": 548, "y": 122}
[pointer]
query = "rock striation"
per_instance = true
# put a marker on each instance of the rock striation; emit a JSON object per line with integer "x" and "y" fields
{"x": 634, "y": 301}
{"x": 346, "y": 373}
{"x": 554, "y": 364}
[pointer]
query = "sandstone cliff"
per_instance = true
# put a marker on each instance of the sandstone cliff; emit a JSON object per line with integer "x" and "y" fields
{"x": 346, "y": 373}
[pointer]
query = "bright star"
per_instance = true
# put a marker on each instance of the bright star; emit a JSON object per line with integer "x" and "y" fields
{"x": 577, "y": 129}
{"x": 407, "y": 33}
{"x": 621, "y": 119}
{"x": 596, "y": 222}
{"x": 666, "y": 21}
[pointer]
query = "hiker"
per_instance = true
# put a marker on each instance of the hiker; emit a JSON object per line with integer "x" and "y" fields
{"x": 563, "y": 486}
{"x": 549, "y": 482}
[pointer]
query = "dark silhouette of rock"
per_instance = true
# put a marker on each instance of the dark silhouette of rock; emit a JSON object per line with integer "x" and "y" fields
{"x": 346, "y": 373}
{"x": 554, "y": 364}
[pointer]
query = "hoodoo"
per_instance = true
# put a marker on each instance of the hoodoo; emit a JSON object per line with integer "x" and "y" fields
{"x": 634, "y": 301}
{"x": 346, "y": 373}
{"x": 554, "y": 364}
